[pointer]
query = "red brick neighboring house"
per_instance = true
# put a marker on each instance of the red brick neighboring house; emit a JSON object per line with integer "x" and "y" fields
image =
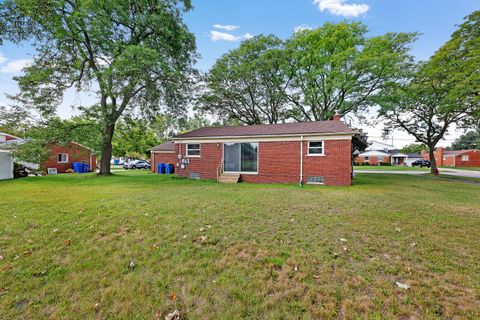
{"x": 62, "y": 157}
{"x": 455, "y": 158}
{"x": 308, "y": 152}
{"x": 4, "y": 137}
{"x": 163, "y": 153}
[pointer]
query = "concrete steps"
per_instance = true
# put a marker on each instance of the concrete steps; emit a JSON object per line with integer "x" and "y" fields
{"x": 229, "y": 178}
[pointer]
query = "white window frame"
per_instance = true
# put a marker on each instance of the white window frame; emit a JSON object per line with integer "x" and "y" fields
{"x": 366, "y": 158}
{"x": 194, "y": 155}
{"x": 63, "y": 154}
{"x": 316, "y": 154}
{"x": 380, "y": 158}
{"x": 465, "y": 157}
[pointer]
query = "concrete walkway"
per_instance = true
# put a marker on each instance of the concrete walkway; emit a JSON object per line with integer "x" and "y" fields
{"x": 445, "y": 171}
{"x": 413, "y": 173}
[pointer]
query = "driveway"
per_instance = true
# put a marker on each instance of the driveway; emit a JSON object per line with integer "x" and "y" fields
{"x": 445, "y": 171}
{"x": 460, "y": 173}
{"x": 413, "y": 173}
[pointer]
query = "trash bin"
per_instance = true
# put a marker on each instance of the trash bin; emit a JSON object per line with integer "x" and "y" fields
{"x": 169, "y": 169}
{"x": 161, "y": 168}
{"x": 116, "y": 162}
{"x": 85, "y": 167}
{"x": 77, "y": 167}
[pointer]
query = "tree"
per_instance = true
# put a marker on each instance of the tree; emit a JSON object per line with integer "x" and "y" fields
{"x": 337, "y": 67}
{"x": 440, "y": 92}
{"x": 247, "y": 83}
{"x": 132, "y": 54}
{"x": 134, "y": 136}
{"x": 413, "y": 148}
{"x": 467, "y": 141}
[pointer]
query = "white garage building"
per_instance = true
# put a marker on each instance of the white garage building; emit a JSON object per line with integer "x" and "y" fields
{"x": 6, "y": 165}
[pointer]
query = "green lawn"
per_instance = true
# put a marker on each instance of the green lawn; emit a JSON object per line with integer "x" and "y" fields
{"x": 391, "y": 168}
{"x": 217, "y": 251}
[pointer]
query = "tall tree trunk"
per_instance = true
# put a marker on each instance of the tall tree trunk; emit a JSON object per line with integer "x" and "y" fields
{"x": 107, "y": 149}
{"x": 433, "y": 163}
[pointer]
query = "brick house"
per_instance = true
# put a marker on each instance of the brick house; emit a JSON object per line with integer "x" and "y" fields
{"x": 62, "y": 157}
{"x": 307, "y": 152}
{"x": 377, "y": 153}
{"x": 4, "y": 137}
{"x": 455, "y": 158}
{"x": 163, "y": 153}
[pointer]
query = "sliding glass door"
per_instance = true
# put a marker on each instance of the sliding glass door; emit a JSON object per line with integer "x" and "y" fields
{"x": 240, "y": 157}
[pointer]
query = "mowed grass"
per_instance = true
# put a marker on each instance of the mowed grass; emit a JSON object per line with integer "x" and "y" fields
{"x": 139, "y": 245}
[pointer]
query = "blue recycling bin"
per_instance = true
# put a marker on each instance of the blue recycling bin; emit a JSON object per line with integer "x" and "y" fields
{"x": 116, "y": 162}
{"x": 77, "y": 167}
{"x": 169, "y": 169}
{"x": 161, "y": 168}
{"x": 85, "y": 168}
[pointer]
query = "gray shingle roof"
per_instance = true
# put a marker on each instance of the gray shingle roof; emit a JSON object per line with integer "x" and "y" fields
{"x": 296, "y": 128}
{"x": 166, "y": 146}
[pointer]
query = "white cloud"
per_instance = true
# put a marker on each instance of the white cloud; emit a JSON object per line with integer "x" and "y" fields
{"x": 2, "y": 58}
{"x": 247, "y": 36}
{"x": 340, "y": 8}
{"x": 302, "y": 27}
{"x": 223, "y": 36}
{"x": 227, "y": 27}
{"x": 15, "y": 66}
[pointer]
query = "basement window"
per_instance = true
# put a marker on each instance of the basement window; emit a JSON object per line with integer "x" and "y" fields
{"x": 194, "y": 175}
{"x": 193, "y": 150}
{"x": 62, "y": 158}
{"x": 315, "y": 180}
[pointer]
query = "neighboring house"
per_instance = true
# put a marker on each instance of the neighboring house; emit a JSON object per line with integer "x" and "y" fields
{"x": 163, "y": 153}
{"x": 307, "y": 152}
{"x": 376, "y": 153}
{"x": 62, "y": 157}
{"x": 405, "y": 159}
{"x": 6, "y": 165}
{"x": 455, "y": 158}
{"x": 4, "y": 137}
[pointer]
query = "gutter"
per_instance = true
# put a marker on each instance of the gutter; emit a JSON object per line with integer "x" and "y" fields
{"x": 301, "y": 161}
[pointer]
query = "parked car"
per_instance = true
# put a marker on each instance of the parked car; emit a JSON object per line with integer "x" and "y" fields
{"x": 136, "y": 164}
{"x": 421, "y": 163}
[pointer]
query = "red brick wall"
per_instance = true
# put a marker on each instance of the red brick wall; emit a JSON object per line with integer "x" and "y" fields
{"x": 279, "y": 162}
{"x": 206, "y": 164}
{"x": 157, "y": 158}
{"x": 75, "y": 153}
{"x": 449, "y": 161}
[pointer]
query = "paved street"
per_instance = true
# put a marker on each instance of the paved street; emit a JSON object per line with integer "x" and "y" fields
{"x": 446, "y": 171}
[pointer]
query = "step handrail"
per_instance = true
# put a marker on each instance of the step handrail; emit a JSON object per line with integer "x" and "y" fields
{"x": 219, "y": 170}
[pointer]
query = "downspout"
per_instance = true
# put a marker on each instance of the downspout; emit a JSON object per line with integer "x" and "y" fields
{"x": 301, "y": 161}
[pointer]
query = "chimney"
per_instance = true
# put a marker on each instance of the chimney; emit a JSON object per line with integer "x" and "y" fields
{"x": 439, "y": 156}
{"x": 337, "y": 116}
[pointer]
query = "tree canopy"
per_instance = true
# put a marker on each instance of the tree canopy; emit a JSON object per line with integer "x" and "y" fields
{"x": 430, "y": 99}
{"x": 131, "y": 54}
{"x": 308, "y": 77}
{"x": 247, "y": 84}
{"x": 467, "y": 141}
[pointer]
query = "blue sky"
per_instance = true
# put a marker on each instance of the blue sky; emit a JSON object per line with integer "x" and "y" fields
{"x": 220, "y": 25}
